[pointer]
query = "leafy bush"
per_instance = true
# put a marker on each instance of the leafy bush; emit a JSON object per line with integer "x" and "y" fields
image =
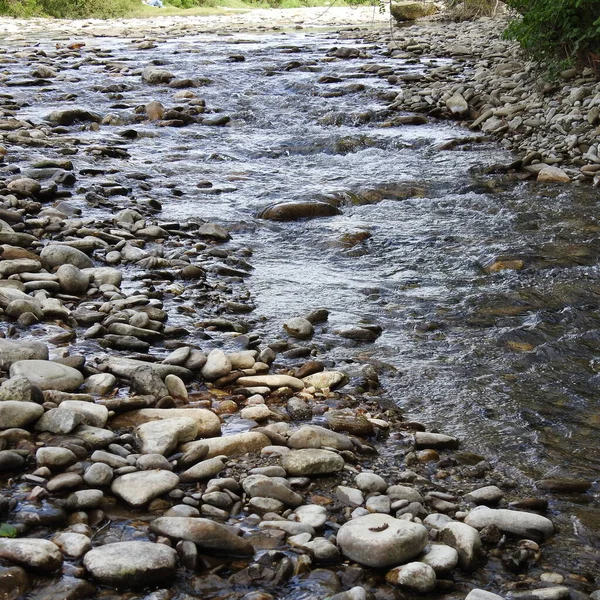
{"x": 71, "y": 9}
{"x": 558, "y": 33}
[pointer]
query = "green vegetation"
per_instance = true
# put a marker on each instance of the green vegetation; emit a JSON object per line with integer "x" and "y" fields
{"x": 558, "y": 33}
{"x": 103, "y": 9}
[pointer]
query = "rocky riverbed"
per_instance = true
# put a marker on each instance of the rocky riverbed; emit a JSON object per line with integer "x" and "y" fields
{"x": 156, "y": 439}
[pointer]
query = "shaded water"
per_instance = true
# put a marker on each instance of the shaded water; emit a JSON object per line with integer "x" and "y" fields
{"x": 508, "y": 361}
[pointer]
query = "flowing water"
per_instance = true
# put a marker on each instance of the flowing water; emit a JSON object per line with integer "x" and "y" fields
{"x": 507, "y": 361}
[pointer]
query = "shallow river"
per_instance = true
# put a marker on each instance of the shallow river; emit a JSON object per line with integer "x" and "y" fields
{"x": 507, "y": 361}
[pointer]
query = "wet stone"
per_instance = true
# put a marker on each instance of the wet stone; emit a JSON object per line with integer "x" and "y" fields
{"x": 131, "y": 564}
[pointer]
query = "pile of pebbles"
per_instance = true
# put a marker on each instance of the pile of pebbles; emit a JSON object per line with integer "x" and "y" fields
{"x": 465, "y": 71}
{"x": 149, "y": 438}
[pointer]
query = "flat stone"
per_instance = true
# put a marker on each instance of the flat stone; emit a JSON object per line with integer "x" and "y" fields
{"x": 379, "y": 540}
{"x": 313, "y": 436}
{"x": 326, "y": 380}
{"x": 19, "y": 414}
{"x": 490, "y": 494}
{"x": 131, "y": 564}
{"x": 312, "y": 461}
{"x": 268, "y": 487}
{"x": 94, "y": 415}
{"x": 74, "y": 545}
{"x": 48, "y": 375}
{"x": 519, "y": 523}
{"x": 207, "y": 422}
{"x": 311, "y": 514}
{"x": 298, "y": 327}
{"x": 54, "y": 457}
{"x": 137, "y": 489}
{"x": 206, "y": 534}
{"x": 553, "y": 175}
{"x": 203, "y": 470}
{"x": 370, "y": 482}
{"x": 164, "y": 435}
{"x": 349, "y": 496}
{"x": 32, "y": 553}
{"x": 273, "y": 382}
{"x": 231, "y": 445}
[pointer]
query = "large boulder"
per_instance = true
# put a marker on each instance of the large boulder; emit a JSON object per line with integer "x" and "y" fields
{"x": 379, "y": 540}
{"x": 410, "y": 11}
{"x": 56, "y": 255}
{"x": 131, "y": 564}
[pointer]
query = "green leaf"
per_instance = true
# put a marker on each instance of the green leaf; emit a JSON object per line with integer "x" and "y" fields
{"x": 7, "y": 530}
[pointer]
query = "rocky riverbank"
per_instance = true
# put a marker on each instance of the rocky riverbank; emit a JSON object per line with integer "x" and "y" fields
{"x": 154, "y": 443}
{"x": 471, "y": 74}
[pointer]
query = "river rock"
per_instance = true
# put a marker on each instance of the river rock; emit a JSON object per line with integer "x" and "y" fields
{"x": 92, "y": 414}
{"x": 32, "y": 553}
{"x": 457, "y": 105}
{"x": 163, "y": 436}
{"x": 293, "y": 211}
{"x": 10, "y": 461}
{"x": 312, "y": 461}
{"x": 98, "y": 474}
{"x": 441, "y": 558}
{"x": 207, "y": 422}
{"x": 490, "y": 494}
{"x": 74, "y": 545}
{"x": 11, "y": 352}
{"x": 100, "y": 384}
{"x": 139, "y": 488}
{"x": 24, "y": 187}
{"x": 60, "y": 421}
{"x": 54, "y": 457}
{"x": 56, "y": 255}
{"x": 217, "y": 365}
{"x": 17, "y": 389}
{"x": 299, "y": 328}
{"x": 272, "y": 381}
{"x": 416, "y": 576}
{"x": 131, "y": 564}
{"x": 370, "y": 482}
{"x": 379, "y": 540}
{"x": 68, "y": 116}
{"x": 206, "y": 534}
{"x": 326, "y": 380}
{"x": 349, "y": 421}
{"x": 436, "y": 441}
{"x": 523, "y": 524}
{"x": 205, "y": 469}
{"x": 479, "y": 594}
{"x": 553, "y": 174}
{"x": 18, "y": 414}
{"x": 48, "y": 375}
{"x": 311, "y": 514}
{"x": 231, "y": 445}
{"x": 410, "y": 11}
{"x": 72, "y": 280}
{"x": 267, "y": 487}
{"x": 465, "y": 540}
{"x": 155, "y": 76}
{"x": 313, "y": 436}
